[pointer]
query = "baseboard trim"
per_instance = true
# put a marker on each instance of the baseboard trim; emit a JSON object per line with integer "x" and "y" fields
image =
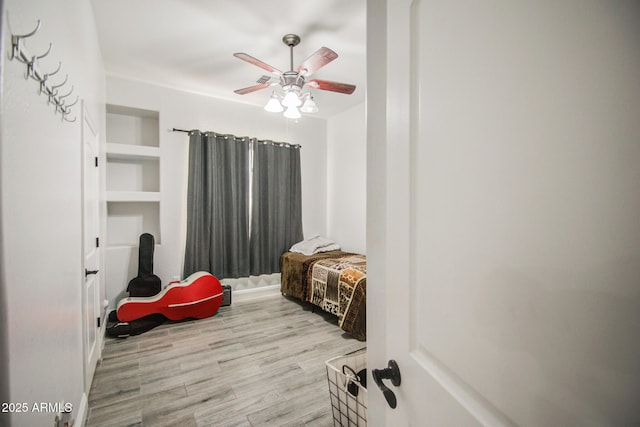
{"x": 254, "y": 293}
{"x": 81, "y": 414}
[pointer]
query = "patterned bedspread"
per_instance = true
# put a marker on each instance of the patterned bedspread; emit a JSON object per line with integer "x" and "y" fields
{"x": 335, "y": 281}
{"x": 338, "y": 286}
{"x": 296, "y": 272}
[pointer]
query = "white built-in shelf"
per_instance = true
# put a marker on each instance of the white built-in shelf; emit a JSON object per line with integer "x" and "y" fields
{"x": 132, "y": 178}
{"x": 131, "y": 111}
{"x": 132, "y": 126}
{"x": 131, "y": 152}
{"x": 133, "y": 196}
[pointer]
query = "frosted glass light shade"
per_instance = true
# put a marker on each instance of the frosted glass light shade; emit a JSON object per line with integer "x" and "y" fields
{"x": 309, "y": 106}
{"x": 292, "y": 113}
{"x": 291, "y": 99}
{"x": 273, "y": 106}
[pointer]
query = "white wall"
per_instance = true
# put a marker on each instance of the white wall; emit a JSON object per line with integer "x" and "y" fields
{"x": 186, "y": 110}
{"x": 41, "y": 206}
{"x": 347, "y": 178}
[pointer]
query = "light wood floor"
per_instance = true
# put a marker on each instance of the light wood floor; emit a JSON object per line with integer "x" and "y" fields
{"x": 256, "y": 363}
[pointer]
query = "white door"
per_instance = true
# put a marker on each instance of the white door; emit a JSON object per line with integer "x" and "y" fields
{"x": 91, "y": 248}
{"x": 502, "y": 172}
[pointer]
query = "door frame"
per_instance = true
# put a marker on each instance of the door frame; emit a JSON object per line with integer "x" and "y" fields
{"x": 88, "y": 123}
{"x": 376, "y": 128}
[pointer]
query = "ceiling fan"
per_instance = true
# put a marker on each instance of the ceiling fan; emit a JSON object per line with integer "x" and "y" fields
{"x": 293, "y": 81}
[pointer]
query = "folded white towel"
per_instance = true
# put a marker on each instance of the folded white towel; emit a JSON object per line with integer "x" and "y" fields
{"x": 314, "y": 245}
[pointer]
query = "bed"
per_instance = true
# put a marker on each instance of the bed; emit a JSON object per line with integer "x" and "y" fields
{"x": 334, "y": 281}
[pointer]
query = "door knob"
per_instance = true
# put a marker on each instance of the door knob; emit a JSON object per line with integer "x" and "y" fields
{"x": 391, "y": 372}
{"x": 88, "y": 272}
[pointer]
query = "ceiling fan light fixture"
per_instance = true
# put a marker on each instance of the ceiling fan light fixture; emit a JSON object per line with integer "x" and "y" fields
{"x": 292, "y": 113}
{"x": 309, "y": 105}
{"x": 274, "y": 106}
{"x": 291, "y": 98}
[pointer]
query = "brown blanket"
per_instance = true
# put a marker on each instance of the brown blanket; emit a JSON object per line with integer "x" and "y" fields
{"x": 297, "y": 281}
{"x": 295, "y": 274}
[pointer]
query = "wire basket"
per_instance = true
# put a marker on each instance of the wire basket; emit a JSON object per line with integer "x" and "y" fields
{"x": 348, "y": 395}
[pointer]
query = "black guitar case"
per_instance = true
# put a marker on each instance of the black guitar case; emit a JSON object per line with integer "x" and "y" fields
{"x": 145, "y": 284}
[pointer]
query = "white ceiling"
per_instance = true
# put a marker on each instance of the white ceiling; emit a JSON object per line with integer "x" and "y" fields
{"x": 189, "y": 44}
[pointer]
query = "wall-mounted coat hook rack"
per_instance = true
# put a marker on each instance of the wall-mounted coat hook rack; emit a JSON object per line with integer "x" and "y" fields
{"x": 20, "y": 53}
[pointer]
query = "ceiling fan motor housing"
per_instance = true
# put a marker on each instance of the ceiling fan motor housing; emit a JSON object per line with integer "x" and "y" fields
{"x": 291, "y": 80}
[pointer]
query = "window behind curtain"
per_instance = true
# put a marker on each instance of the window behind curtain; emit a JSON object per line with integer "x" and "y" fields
{"x": 224, "y": 171}
{"x": 217, "y": 205}
{"x": 276, "y": 205}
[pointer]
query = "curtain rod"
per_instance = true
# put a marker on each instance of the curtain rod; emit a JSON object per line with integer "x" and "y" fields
{"x": 263, "y": 141}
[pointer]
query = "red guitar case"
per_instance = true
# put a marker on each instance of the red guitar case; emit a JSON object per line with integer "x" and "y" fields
{"x": 198, "y": 296}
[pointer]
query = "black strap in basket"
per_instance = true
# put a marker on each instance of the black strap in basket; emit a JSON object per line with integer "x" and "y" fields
{"x": 353, "y": 378}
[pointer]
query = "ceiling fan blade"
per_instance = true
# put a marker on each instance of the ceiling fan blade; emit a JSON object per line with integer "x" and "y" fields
{"x": 251, "y": 60}
{"x": 332, "y": 86}
{"x": 250, "y": 89}
{"x": 317, "y": 60}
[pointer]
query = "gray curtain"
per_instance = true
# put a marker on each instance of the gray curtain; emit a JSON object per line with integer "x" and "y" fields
{"x": 276, "y": 204}
{"x": 218, "y": 205}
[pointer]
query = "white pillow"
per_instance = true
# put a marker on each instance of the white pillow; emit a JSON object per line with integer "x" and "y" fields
{"x": 314, "y": 245}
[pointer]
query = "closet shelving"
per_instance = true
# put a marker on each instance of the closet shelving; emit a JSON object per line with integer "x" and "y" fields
{"x": 132, "y": 175}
